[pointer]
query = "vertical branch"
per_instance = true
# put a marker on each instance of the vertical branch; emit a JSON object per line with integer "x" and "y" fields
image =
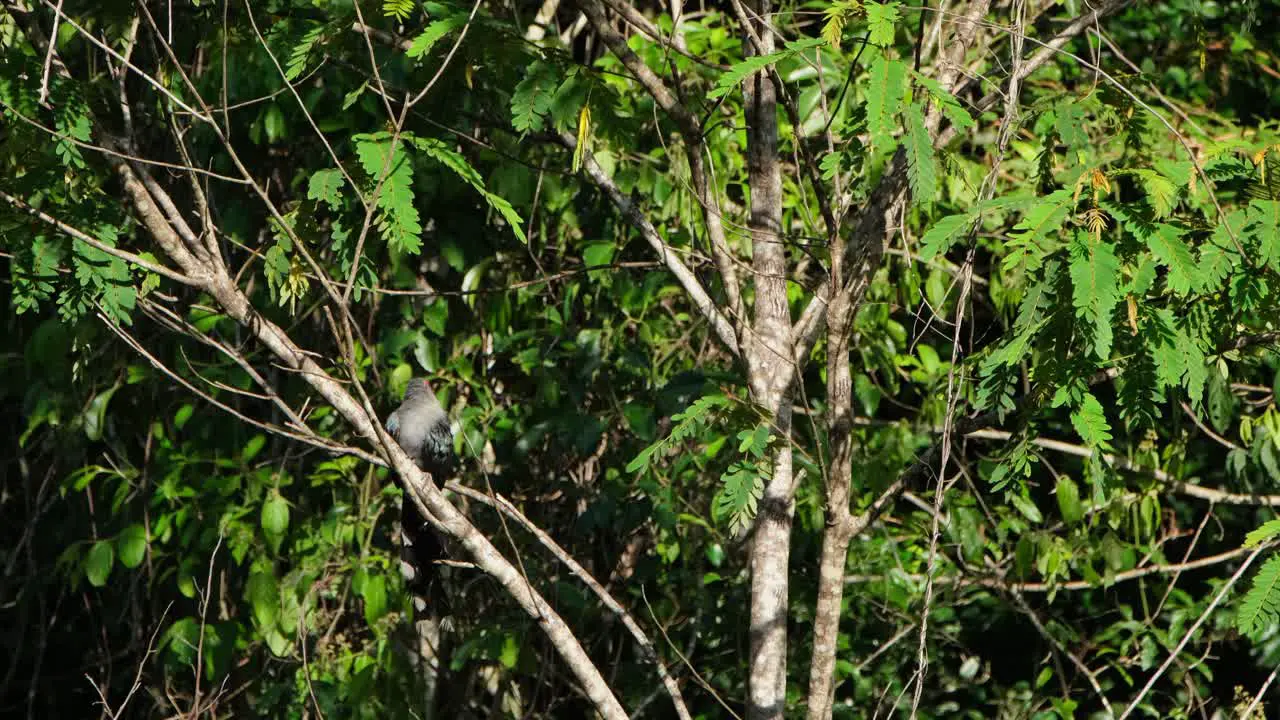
{"x": 771, "y": 373}
{"x": 840, "y": 526}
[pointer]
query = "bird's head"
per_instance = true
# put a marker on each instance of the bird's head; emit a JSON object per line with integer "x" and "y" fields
{"x": 417, "y": 388}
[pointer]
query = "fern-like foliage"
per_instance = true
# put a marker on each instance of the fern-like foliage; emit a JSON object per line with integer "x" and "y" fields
{"x": 326, "y": 186}
{"x": 398, "y": 221}
{"x": 885, "y": 89}
{"x": 740, "y": 491}
{"x": 882, "y": 20}
{"x": 740, "y": 71}
{"x": 398, "y": 9}
{"x": 1090, "y": 421}
{"x": 1270, "y": 530}
{"x": 743, "y": 483}
{"x": 532, "y": 98}
{"x": 1263, "y": 229}
{"x": 296, "y": 64}
{"x": 1260, "y": 608}
{"x": 1095, "y": 272}
{"x": 922, "y": 171}
{"x": 1032, "y": 239}
{"x": 687, "y": 424}
{"x": 454, "y": 161}
{"x": 433, "y": 33}
{"x": 838, "y": 15}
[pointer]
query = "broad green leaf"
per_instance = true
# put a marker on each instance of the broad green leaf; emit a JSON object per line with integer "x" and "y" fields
{"x": 97, "y": 564}
{"x": 263, "y": 593}
{"x": 374, "y": 592}
{"x": 95, "y": 416}
{"x": 131, "y": 545}
{"x": 1068, "y": 494}
{"x": 275, "y": 514}
{"x": 1027, "y": 507}
{"x": 510, "y": 652}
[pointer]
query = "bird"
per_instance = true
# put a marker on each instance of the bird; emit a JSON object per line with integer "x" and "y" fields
{"x": 421, "y": 427}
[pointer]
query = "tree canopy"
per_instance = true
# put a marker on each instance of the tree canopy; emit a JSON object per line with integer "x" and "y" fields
{"x": 828, "y": 359}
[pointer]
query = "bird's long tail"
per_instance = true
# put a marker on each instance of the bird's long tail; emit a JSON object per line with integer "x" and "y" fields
{"x": 420, "y": 550}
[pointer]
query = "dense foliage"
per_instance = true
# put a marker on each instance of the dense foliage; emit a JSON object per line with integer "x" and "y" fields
{"x": 1058, "y": 433}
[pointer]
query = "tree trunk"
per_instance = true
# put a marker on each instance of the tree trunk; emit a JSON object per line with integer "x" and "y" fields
{"x": 771, "y": 369}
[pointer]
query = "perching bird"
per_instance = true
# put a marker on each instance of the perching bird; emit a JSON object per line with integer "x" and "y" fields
{"x": 421, "y": 427}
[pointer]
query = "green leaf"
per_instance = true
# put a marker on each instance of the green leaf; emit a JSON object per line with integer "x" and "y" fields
{"x": 921, "y": 169}
{"x": 1027, "y": 507}
{"x": 740, "y": 71}
{"x": 398, "y": 221}
{"x": 97, "y": 564}
{"x": 296, "y": 64}
{"x": 532, "y": 98}
{"x": 1267, "y": 532}
{"x": 1095, "y": 272}
{"x": 398, "y": 9}
{"x": 885, "y": 88}
{"x": 326, "y": 186}
{"x": 598, "y": 254}
{"x": 1090, "y": 422}
{"x": 253, "y": 447}
{"x": 951, "y": 108}
{"x": 275, "y": 514}
{"x": 1068, "y": 494}
{"x": 881, "y": 19}
{"x": 273, "y": 122}
{"x": 374, "y": 592}
{"x": 1162, "y": 195}
{"x": 741, "y": 489}
{"x": 1260, "y": 608}
{"x": 510, "y": 652}
{"x": 1027, "y": 242}
{"x": 95, "y": 416}
{"x": 131, "y": 545}
{"x": 454, "y": 161}
{"x": 1221, "y": 403}
{"x": 1264, "y": 227}
{"x": 1168, "y": 247}
{"x": 422, "y": 44}
{"x": 263, "y": 593}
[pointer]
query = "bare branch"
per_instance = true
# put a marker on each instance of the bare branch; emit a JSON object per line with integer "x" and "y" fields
{"x": 647, "y": 649}
{"x": 723, "y": 328}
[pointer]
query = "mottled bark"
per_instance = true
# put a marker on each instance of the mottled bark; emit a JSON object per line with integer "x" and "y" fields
{"x": 840, "y": 525}
{"x": 771, "y": 372}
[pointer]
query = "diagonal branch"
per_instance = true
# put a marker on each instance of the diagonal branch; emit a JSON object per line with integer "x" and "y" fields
{"x": 722, "y": 326}
{"x": 691, "y": 128}
{"x": 214, "y": 279}
{"x": 647, "y": 649}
